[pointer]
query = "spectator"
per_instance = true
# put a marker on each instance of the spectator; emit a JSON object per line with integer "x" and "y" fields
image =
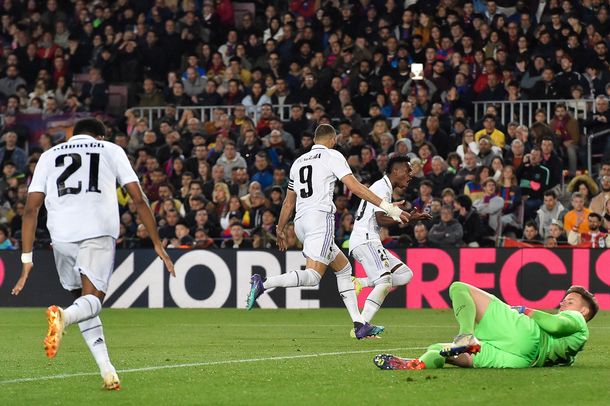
{"x": 489, "y": 207}
{"x": 262, "y": 172}
{"x": 231, "y": 159}
{"x": 530, "y": 234}
{"x": 94, "y": 93}
{"x": 552, "y": 162}
{"x": 496, "y": 136}
{"x": 448, "y": 232}
{"x": 470, "y": 221}
{"x": 237, "y": 240}
{"x": 12, "y": 80}
{"x": 5, "y": 241}
{"x": 535, "y": 180}
{"x": 510, "y": 192}
{"x": 577, "y": 219}
{"x": 556, "y": 232}
{"x": 487, "y": 151}
{"x": 552, "y": 209}
{"x": 420, "y": 233}
{"x": 474, "y": 188}
{"x": 439, "y": 176}
{"x": 585, "y": 185}
{"x": 598, "y": 203}
{"x": 594, "y": 236}
{"x": 10, "y": 152}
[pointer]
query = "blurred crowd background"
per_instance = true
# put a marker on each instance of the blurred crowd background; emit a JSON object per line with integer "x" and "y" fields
{"x": 213, "y": 100}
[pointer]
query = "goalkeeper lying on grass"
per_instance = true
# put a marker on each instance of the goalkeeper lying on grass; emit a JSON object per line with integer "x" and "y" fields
{"x": 494, "y": 335}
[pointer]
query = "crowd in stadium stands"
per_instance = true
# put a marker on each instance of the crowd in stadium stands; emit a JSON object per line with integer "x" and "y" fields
{"x": 220, "y": 183}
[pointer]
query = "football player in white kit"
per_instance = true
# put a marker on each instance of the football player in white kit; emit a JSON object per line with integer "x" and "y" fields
{"x": 383, "y": 270}
{"x": 310, "y": 189}
{"x": 76, "y": 181}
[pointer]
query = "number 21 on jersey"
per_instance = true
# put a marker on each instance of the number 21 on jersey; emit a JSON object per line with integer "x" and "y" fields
{"x": 76, "y": 162}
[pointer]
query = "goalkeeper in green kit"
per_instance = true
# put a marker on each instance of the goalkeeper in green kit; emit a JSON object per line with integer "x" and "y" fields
{"x": 495, "y": 335}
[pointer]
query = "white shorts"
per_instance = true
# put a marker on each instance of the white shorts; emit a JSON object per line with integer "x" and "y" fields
{"x": 316, "y": 230}
{"x": 375, "y": 260}
{"x": 93, "y": 258}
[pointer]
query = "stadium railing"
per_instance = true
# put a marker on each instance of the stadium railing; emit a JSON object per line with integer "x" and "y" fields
{"x": 205, "y": 113}
{"x": 523, "y": 111}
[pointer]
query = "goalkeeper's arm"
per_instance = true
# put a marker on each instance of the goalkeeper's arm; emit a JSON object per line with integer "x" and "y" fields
{"x": 557, "y": 325}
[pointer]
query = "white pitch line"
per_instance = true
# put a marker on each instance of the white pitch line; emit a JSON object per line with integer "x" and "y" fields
{"x": 203, "y": 364}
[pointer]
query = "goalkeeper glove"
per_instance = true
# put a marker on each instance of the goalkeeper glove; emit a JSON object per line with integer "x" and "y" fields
{"x": 522, "y": 310}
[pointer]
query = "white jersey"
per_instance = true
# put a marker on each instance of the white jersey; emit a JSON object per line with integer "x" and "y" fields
{"x": 313, "y": 176}
{"x": 79, "y": 180}
{"x": 366, "y": 228}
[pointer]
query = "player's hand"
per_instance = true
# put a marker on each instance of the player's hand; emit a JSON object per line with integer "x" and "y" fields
{"x": 421, "y": 216}
{"x": 166, "y": 259}
{"x": 22, "y": 279}
{"x": 281, "y": 239}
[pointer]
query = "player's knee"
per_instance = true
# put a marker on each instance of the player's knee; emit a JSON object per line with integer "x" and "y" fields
{"x": 384, "y": 282}
{"x": 457, "y": 287}
{"x": 402, "y": 276}
{"x": 346, "y": 271}
{"x": 308, "y": 277}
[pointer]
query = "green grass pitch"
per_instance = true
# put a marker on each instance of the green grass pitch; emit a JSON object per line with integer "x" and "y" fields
{"x": 262, "y": 357}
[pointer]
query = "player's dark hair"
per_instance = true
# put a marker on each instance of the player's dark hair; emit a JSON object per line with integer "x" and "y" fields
{"x": 587, "y": 297}
{"x": 90, "y": 126}
{"x": 396, "y": 160}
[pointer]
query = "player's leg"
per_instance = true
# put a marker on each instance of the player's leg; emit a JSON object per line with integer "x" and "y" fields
{"x": 377, "y": 266}
{"x": 96, "y": 262}
{"x": 401, "y": 274}
{"x": 469, "y": 306}
{"x": 317, "y": 235}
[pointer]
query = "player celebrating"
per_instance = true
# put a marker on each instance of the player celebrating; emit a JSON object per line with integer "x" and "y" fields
{"x": 494, "y": 335}
{"x": 310, "y": 189}
{"x": 76, "y": 181}
{"x": 383, "y": 270}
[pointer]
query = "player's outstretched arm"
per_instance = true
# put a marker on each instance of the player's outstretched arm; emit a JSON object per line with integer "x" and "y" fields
{"x": 148, "y": 219}
{"x": 364, "y": 193}
{"x": 558, "y": 325}
{"x": 33, "y": 204}
{"x": 285, "y": 214}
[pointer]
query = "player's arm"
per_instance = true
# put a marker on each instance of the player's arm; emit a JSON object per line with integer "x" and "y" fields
{"x": 33, "y": 204}
{"x": 364, "y": 193}
{"x": 148, "y": 219}
{"x": 285, "y": 214}
{"x": 557, "y": 325}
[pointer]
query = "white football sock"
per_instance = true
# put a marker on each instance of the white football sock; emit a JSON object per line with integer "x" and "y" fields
{"x": 93, "y": 333}
{"x": 300, "y": 277}
{"x": 376, "y": 297}
{"x": 402, "y": 276}
{"x": 347, "y": 292}
{"x": 83, "y": 308}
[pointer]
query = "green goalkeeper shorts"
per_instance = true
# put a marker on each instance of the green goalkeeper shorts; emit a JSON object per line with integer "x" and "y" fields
{"x": 508, "y": 339}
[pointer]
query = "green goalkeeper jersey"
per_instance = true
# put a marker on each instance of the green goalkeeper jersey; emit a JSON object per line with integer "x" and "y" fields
{"x": 562, "y": 336}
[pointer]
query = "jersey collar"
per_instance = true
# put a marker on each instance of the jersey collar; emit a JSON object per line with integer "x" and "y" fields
{"x": 80, "y": 137}
{"x": 387, "y": 181}
{"x": 319, "y": 146}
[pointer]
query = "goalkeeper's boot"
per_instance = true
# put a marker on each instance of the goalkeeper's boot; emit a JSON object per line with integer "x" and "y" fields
{"x": 357, "y": 285}
{"x": 256, "y": 289}
{"x": 55, "y": 319}
{"x": 367, "y": 330}
{"x": 111, "y": 381}
{"x": 462, "y": 344}
{"x": 391, "y": 362}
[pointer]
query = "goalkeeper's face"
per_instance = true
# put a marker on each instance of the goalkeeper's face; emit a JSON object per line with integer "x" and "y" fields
{"x": 574, "y": 301}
